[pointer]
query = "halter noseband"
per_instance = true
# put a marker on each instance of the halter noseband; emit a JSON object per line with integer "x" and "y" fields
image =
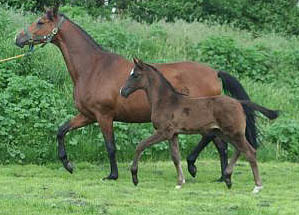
{"x": 46, "y": 38}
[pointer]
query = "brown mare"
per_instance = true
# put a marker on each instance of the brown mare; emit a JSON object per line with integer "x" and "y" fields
{"x": 174, "y": 113}
{"x": 97, "y": 76}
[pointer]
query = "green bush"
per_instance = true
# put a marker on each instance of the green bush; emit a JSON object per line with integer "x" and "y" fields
{"x": 285, "y": 135}
{"x": 29, "y": 110}
{"x": 224, "y": 54}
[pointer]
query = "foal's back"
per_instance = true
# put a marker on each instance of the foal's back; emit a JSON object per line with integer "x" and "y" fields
{"x": 202, "y": 115}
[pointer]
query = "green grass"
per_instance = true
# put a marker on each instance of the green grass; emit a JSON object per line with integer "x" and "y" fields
{"x": 32, "y": 189}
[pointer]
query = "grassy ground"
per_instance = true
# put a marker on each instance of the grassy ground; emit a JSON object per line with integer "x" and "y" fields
{"x": 49, "y": 189}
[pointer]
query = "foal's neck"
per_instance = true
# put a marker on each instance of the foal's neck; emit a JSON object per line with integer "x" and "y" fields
{"x": 160, "y": 92}
{"x": 78, "y": 49}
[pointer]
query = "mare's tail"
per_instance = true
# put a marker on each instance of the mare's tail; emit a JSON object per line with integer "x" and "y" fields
{"x": 235, "y": 89}
{"x": 271, "y": 114}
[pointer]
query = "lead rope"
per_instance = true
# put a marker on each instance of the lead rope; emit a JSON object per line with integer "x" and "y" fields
{"x": 30, "y": 51}
{"x": 48, "y": 38}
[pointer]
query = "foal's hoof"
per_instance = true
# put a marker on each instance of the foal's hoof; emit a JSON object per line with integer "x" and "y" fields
{"x": 180, "y": 184}
{"x": 228, "y": 182}
{"x": 192, "y": 168}
{"x": 111, "y": 177}
{"x": 178, "y": 187}
{"x": 135, "y": 180}
{"x": 68, "y": 166}
{"x": 229, "y": 185}
{"x": 257, "y": 189}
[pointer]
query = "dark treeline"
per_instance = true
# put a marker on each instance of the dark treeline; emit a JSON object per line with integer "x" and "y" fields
{"x": 254, "y": 15}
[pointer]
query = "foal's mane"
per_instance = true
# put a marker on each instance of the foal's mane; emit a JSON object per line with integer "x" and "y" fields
{"x": 85, "y": 34}
{"x": 164, "y": 80}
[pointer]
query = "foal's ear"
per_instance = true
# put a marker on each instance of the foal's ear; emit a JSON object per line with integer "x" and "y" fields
{"x": 138, "y": 63}
{"x": 135, "y": 60}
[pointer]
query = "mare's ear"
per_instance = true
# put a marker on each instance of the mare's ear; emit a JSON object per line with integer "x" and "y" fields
{"x": 56, "y": 8}
{"x": 52, "y": 12}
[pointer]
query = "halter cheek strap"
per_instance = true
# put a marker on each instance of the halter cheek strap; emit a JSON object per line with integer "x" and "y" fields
{"x": 46, "y": 38}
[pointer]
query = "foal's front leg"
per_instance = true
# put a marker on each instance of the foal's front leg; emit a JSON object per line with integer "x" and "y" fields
{"x": 156, "y": 138}
{"x": 176, "y": 158}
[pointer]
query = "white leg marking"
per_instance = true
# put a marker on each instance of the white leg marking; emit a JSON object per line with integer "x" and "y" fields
{"x": 257, "y": 189}
{"x": 178, "y": 187}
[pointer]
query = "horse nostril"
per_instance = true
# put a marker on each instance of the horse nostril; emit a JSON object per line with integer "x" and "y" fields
{"x": 120, "y": 90}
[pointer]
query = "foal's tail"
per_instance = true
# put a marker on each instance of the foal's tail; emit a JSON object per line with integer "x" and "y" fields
{"x": 271, "y": 114}
{"x": 235, "y": 89}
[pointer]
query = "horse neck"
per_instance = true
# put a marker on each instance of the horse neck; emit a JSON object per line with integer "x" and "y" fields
{"x": 77, "y": 49}
{"x": 158, "y": 92}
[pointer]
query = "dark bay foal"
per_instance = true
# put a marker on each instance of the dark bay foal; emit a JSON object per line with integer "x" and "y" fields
{"x": 173, "y": 113}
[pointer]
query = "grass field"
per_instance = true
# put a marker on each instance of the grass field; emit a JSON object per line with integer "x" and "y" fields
{"x": 49, "y": 189}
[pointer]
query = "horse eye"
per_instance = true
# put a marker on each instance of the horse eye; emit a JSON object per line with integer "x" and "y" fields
{"x": 39, "y": 22}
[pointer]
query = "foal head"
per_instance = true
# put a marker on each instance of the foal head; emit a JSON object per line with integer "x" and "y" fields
{"x": 41, "y": 31}
{"x": 137, "y": 79}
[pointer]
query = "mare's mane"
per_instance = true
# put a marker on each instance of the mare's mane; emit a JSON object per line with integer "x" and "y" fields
{"x": 85, "y": 34}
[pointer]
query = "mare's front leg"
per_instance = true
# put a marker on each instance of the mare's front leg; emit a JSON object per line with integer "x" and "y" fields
{"x": 222, "y": 150}
{"x": 195, "y": 152}
{"x": 176, "y": 158}
{"x": 156, "y": 138}
{"x": 77, "y": 122}
{"x": 106, "y": 125}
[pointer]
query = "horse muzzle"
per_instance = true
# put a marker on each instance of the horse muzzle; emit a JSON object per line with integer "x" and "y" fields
{"x": 21, "y": 40}
{"x": 123, "y": 92}
{"x": 126, "y": 91}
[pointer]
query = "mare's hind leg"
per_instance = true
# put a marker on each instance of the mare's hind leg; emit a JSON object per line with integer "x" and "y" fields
{"x": 229, "y": 169}
{"x": 77, "y": 122}
{"x": 156, "y": 138}
{"x": 176, "y": 158}
{"x": 222, "y": 150}
{"x": 195, "y": 152}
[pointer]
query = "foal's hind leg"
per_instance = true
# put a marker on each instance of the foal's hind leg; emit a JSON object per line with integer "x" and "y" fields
{"x": 195, "y": 152}
{"x": 175, "y": 155}
{"x": 77, "y": 122}
{"x": 250, "y": 155}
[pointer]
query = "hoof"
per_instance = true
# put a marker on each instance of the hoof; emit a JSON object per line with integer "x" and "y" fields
{"x": 135, "y": 180}
{"x": 68, "y": 166}
{"x": 229, "y": 185}
{"x": 257, "y": 189}
{"x": 227, "y": 180}
{"x": 192, "y": 168}
{"x": 110, "y": 177}
{"x": 178, "y": 187}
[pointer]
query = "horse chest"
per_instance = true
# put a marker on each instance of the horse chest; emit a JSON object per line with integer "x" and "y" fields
{"x": 83, "y": 100}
